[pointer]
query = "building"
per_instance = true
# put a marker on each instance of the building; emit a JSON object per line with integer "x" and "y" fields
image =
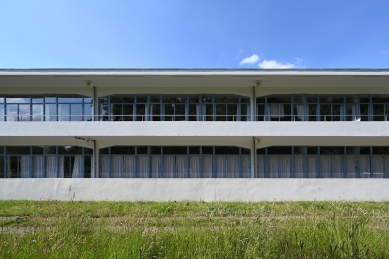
{"x": 244, "y": 134}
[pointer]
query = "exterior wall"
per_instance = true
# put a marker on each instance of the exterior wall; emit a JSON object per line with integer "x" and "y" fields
{"x": 247, "y": 190}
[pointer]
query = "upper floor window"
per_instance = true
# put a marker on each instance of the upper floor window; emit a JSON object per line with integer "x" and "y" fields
{"x": 206, "y": 107}
{"x": 45, "y": 108}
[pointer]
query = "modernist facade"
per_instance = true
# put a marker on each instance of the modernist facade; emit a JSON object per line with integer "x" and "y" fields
{"x": 193, "y": 123}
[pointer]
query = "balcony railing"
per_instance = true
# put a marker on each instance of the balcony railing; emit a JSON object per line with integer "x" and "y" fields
{"x": 236, "y": 118}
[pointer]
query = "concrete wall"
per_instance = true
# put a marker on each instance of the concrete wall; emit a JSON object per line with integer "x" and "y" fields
{"x": 195, "y": 189}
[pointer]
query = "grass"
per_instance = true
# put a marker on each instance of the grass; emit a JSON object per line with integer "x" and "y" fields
{"x": 51, "y": 229}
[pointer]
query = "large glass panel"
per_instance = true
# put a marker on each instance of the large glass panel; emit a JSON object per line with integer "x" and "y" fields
{"x": 221, "y": 112}
{"x": 285, "y": 166}
{"x": 37, "y": 112}
{"x": 69, "y": 99}
{"x": 18, "y": 99}
{"x": 352, "y": 166}
{"x": 193, "y": 112}
{"x": 37, "y": 167}
{"x": 169, "y": 112}
{"x": 142, "y": 167}
{"x": 232, "y": 112}
{"x": 117, "y": 112}
{"x": 273, "y": 167}
{"x": 180, "y": 112}
{"x": 155, "y": 166}
{"x": 312, "y": 112}
{"x": 140, "y": 112}
{"x": 88, "y": 112}
{"x": 51, "y": 112}
{"x": 24, "y": 112}
{"x": 169, "y": 169}
{"x": 181, "y": 167}
{"x": 207, "y": 166}
{"x": 312, "y": 167}
{"x": 63, "y": 112}
{"x": 364, "y": 166}
{"x": 378, "y": 112}
{"x": 209, "y": 112}
{"x": 337, "y": 166}
{"x": 155, "y": 112}
{"x": 364, "y": 111}
{"x": 233, "y": 167}
{"x": 2, "y": 167}
{"x": 88, "y": 166}
{"x": 76, "y": 109}
{"x": 194, "y": 166}
{"x": 299, "y": 165}
{"x": 12, "y": 112}
{"x": 378, "y": 166}
{"x": 2, "y": 112}
{"x": 260, "y": 167}
{"x": 244, "y": 108}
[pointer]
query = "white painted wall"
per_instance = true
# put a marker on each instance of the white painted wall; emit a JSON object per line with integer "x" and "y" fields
{"x": 195, "y": 189}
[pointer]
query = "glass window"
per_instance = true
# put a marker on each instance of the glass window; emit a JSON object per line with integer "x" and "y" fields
{"x": 141, "y": 98}
{"x": 141, "y": 150}
{"x": 168, "y": 150}
{"x": 18, "y": 150}
{"x": 37, "y": 112}
{"x": 50, "y": 99}
{"x": 37, "y": 150}
{"x": 279, "y": 150}
{"x": 18, "y": 99}
{"x": 312, "y": 150}
{"x": 207, "y": 150}
{"x": 123, "y": 150}
{"x": 364, "y": 150}
{"x": 155, "y": 150}
{"x": 194, "y": 150}
{"x": 226, "y": 150}
{"x": 50, "y": 150}
{"x": 155, "y": 98}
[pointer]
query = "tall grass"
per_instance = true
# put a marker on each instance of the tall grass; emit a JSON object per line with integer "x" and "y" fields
{"x": 193, "y": 230}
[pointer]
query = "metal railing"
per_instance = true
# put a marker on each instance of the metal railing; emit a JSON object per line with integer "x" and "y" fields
{"x": 272, "y": 118}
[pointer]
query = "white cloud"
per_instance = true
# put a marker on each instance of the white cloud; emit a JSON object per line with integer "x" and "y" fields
{"x": 269, "y": 64}
{"x": 298, "y": 60}
{"x": 250, "y": 60}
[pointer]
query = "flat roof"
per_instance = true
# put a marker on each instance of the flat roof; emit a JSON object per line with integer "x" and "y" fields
{"x": 199, "y": 77}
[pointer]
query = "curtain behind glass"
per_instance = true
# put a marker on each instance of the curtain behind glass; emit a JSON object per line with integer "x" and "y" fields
{"x": 129, "y": 166}
{"x": 378, "y": 166}
{"x": 312, "y": 166}
{"x": 260, "y": 167}
{"x": 352, "y": 166}
{"x": 207, "y": 166}
{"x": 37, "y": 169}
{"x": 155, "y": 166}
{"x": 194, "y": 166}
{"x": 300, "y": 112}
{"x": 365, "y": 166}
{"x": 24, "y": 167}
{"x": 337, "y": 166}
{"x": 221, "y": 169}
{"x": 299, "y": 167}
{"x": 233, "y": 166}
{"x": 51, "y": 167}
{"x": 181, "y": 166}
{"x": 246, "y": 164}
{"x": 273, "y": 166}
{"x": 61, "y": 166}
{"x": 285, "y": 165}
{"x": 104, "y": 166}
{"x": 142, "y": 169}
{"x": 9, "y": 169}
{"x": 77, "y": 167}
{"x": 116, "y": 166}
{"x": 168, "y": 167}
{"x": 325, "y": 164}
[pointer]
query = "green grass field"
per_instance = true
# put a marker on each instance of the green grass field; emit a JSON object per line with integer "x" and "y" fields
{"x": 32, "y": 229}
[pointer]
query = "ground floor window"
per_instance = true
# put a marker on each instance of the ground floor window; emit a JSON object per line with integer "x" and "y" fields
{"x": 322, "y": 162}
{"x": 45, "y": 162}
{"x": 174, "y": 162}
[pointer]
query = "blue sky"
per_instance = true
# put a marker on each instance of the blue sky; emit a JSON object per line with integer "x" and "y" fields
{"x": 194, "y": 34}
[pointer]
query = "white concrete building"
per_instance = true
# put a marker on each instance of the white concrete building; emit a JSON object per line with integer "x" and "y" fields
{"x": 245, "y": 135}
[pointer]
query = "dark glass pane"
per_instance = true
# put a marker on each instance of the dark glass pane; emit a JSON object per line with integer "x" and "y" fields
{"x": 1, "y": 150}
{"x": 244, "y": 99}
{"x": 299, "y": 150}
{"x": 88, "y": 111}
{"x": 206, "y": 98}
{"x": 298, "y": 99}
{"x": 286, "y": 116}
{"x": 278, "y": 99}
{"x": 123, "y": 150}
{"x": 232, "y": 112}
{"x": 142, "y": 150}
{"x": 351, "y": 99}
{"x": 128, "y": 111}
{"x": 221, "y": 112}
{"x": 50, "y": 150}
{"x": 168, "y": 150}
{"x": 279, "y": 150}
{"x": 351, "y": 150}
{"x": 209, "y": 112}
{"x": 18, "y": 150}
{"x": 364, "y": 150}
{"x": 232, "y": 99}
{"x": 364, "y": 99}
{"x": 76, "y": 109}
{"x": 312, "y": 150}
{"x": 193, "y": 99}
{"x": 325, "y": 112}
{"x": 37, "y": 150}
{"x": 69, "y": 150}
{"x": 380, "y": 99}
{"x": 88, "y": 150}
{"x": 180, "y": 112}
{"x": 122, "y": 99}
{"x": 331, "y": 150}
{"x": 155, "y": 150}
{"x": 87, "y": 166}
{"x": 68, "y": 166}
{"x": 226, "y": 150}
{"x": 261, "y": 112}
{"x": 336, "y": 112}
{"x": 378, "y": 112}
{"x": 380, "y": 150}
{"x": 194, "y": 150}
{"x": 155, "y": 98}
{"x": 244, "y": 112}
{"x": 156, "y": 112}
{"x": 141, "y": 98}
{"x": 261, "y": 151}
{"x": 1, "y": 166}
{"x": 140, "y": 111}
{"x": 311, "y": 98}
{"x": 14, "y": 166}
{"x": 364, "y": 109}
{"x": 116, "y": 111}
{"x": 207, "y": 150}
{"x": 260, "y": 99}
{"x": 169, "y": 112}
{"x": 245, "y": 151}
{"x": 104, "y": 150}
{"x": 193, "y": 112}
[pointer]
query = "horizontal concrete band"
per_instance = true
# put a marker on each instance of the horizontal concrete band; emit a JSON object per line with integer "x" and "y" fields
{"x": 247, "y": 190}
